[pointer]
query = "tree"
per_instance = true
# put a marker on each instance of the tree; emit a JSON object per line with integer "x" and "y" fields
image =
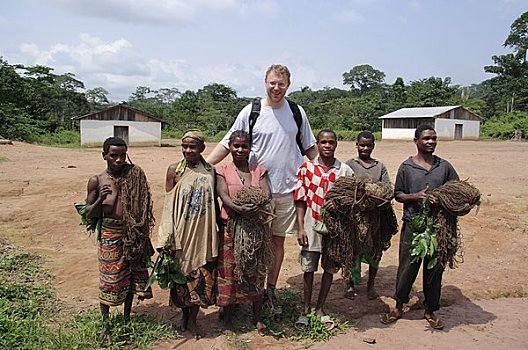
{"x": 518, "y": 37}
{"x": 364, "y": 78}
{"x": 430, "y": 92}
{"x": 97, "y": 97}
{"x": 508, "y": 90}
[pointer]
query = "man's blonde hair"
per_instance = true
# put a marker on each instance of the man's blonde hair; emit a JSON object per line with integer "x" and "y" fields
{"x": 279, "y": 69}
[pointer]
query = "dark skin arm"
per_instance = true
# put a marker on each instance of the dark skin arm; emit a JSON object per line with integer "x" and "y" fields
{"x": 171, "y": 179}
{"x": 300, "y": 211}
{"x": 415, "y": 197}
{"x": 222, "y": 190}
{"x": 311, "y": 152}
{"x": 95, "y": 197}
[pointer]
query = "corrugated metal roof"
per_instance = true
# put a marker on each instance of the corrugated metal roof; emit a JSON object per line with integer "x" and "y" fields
{"x": 121, "y": 105}
{"x": 418, "y": 112}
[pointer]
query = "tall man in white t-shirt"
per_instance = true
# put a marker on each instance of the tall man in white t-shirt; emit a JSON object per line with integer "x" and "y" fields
{"x": 274, "y": 146}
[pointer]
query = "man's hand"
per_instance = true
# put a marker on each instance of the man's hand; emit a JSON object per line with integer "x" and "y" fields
{"x": 302, "y": 239}
{"x": 422, "y": 194}
{"x": 105, "y": 191}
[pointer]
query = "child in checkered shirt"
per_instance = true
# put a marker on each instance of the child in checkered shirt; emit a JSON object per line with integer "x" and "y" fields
{"x": 314, "y": 179}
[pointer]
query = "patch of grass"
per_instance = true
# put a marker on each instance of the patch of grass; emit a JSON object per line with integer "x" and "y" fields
{"x": 3, "y": 159}
{"x": 291, "y": 302}
{"x": 30, "y": 316}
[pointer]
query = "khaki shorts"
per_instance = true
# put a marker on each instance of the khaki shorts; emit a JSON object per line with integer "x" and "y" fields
{"x": 310, "y": 262}
{"x": 283, "y": 207}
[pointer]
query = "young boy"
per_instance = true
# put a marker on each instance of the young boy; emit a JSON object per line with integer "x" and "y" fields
{"x": 315, "y": 178}
{"x": 124, "y": 247}
{"x": 367, "y": 168}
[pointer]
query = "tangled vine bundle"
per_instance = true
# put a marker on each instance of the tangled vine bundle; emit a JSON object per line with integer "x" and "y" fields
{"x": 360, "y": 218}
{"x": 138, "y": 218}
{"x": 251, "y": 236}
{"x": 456, "y": 198}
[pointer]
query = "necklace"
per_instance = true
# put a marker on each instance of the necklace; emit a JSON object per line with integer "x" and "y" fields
{"x": 112, "y": 176}
{"x": 242, "y": 179}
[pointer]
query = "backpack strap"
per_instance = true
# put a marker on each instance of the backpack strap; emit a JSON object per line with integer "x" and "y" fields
{"x": 297, "y": 116}
{"x": 298, "y": 120}
{"x": 255, "y": 112}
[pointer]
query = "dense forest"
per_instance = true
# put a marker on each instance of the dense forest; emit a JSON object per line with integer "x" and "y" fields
{"x": 36, "y": 105}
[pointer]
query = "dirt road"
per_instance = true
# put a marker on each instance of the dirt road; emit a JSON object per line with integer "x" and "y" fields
{"x": 38, "y": 186}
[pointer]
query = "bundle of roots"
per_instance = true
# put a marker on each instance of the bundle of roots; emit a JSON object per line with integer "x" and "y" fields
{"x": 138, "y": 218}
{"x": 360, "y": 218}
{"x": 455, "y": 198}
{"x": 251, "y": 237}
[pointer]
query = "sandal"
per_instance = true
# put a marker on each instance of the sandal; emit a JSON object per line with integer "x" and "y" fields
{"x": 390, "y": 318}
{"x": 302, "y": 323}
{"x": 434, "y": 322}
{"x": 327, "y": 322}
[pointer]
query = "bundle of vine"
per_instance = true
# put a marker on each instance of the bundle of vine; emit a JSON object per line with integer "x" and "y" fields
{"x": 138, "y": 217}
{"x": 455, "y": 198}
{"x": 251, "y": 237}
{"x": 360, "y": 218}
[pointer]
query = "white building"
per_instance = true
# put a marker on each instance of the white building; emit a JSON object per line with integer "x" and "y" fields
{"x": 137, "y": 128}
{"x": 450, "y": 123}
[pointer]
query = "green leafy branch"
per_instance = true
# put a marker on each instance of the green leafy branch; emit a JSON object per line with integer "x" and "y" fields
{"x": 424, "y": 241}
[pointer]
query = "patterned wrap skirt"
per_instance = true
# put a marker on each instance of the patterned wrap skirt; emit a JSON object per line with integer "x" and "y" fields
{"x": 231, "y": 290}
{"x": 200, "y": 288}
{"x": 116, "y": 278}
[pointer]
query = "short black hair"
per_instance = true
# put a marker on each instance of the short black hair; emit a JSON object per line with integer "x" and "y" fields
{"x": 366, "y": 135}
{"x": 422, "y": 128}
{"x": 325, "y": 130}
{"x": 114, "y": 141}
{"x": 240, "y": 134}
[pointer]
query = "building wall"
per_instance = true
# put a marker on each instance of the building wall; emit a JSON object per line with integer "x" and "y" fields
{"x": 94, "y": 132}
{"x": 397, "y": 134}
{"x": 445, "y": 130}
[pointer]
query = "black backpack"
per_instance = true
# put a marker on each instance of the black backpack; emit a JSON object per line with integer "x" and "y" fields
{"x": 255, "y": 112}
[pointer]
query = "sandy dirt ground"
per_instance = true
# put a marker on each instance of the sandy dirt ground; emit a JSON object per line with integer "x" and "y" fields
{"x": 484, "y": 299}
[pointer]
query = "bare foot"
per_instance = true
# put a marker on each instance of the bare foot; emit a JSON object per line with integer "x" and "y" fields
{"x": 372, "y": 294}
{"x": 195, "y": 330}
{"x": 106, "y": 337}
{"x": 261, "y": 328}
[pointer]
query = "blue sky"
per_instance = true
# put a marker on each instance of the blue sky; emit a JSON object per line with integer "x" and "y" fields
{"x": 186, "y": 44}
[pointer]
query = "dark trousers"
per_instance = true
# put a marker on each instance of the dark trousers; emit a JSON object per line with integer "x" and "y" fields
{"x": 407, "y": 272}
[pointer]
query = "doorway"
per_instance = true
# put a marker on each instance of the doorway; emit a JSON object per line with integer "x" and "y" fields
{"x": 458, "y": 131}
{"x": 121, "y": 132}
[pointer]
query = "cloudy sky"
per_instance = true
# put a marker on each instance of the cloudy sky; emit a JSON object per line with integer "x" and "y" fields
{"x": 186, "y": 44}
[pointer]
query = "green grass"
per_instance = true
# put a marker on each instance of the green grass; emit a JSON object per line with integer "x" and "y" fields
{"x": 291, "y": 302}
{"x": 30, "y": 316}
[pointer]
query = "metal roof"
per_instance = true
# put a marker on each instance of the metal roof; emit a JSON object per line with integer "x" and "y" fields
{"x": 118, "y": 106}
{"x": 418, "y": 112}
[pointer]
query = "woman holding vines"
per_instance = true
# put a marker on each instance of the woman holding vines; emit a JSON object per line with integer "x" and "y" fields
{"x": 188, "y": 229}
{"x": 234, "y": 288}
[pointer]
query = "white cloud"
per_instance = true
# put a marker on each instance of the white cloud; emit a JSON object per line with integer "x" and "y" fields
{"x": 154, "y": 11}
{"x": 116, "y": 66}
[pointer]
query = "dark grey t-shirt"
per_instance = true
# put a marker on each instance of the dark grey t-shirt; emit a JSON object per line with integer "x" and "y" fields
{"x": 376, "y": 172}
{"x": 412, "y": 178}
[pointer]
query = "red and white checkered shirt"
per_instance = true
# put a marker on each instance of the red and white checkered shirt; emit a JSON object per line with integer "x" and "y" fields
{"x": 314, "y": 180}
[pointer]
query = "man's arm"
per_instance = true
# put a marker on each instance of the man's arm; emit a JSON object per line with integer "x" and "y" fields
{"x": 96, "y": 197}
{"x": 300, "y": 211}
{"x": 311, "y": 152}
{"x": 217, "y": 155}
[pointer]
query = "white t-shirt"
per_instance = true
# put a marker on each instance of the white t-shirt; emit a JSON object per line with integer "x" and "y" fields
{"x": 274, "y": 143}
